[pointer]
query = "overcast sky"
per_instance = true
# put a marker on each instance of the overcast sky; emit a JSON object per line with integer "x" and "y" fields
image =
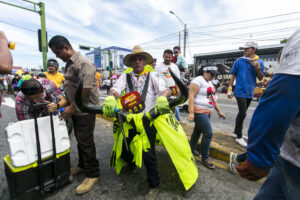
{"x": 149, "y": 23}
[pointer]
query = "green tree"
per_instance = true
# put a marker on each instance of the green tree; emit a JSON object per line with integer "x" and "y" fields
{"x": 284, "y": 41}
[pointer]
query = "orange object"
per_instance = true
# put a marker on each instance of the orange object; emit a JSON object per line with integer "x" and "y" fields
{"x": 98, "y": 78}
{"x": 11, "y": 45}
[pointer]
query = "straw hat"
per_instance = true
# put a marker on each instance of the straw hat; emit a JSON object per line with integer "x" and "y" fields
{"x": 137, "y": 50}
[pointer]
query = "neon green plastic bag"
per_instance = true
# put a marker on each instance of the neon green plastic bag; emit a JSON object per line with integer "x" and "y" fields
{"x": 178, "y": 147}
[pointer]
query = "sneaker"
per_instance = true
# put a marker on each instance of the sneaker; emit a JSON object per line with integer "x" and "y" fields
{"x": 241, "y": 142}
{"x": 76, "y": 170}
{"x": 207, "y": 163}
{"x": 233, "y": 135}
{"x": 152, "y": 194}
{"x": 195, "y": 153}
{"x": 86, "y": 185}
{"x": 233, "y": 163}
{"x": 182, "y": 123}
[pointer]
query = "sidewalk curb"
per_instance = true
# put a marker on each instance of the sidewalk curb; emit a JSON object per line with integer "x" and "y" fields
{"x": 216, "y": 151}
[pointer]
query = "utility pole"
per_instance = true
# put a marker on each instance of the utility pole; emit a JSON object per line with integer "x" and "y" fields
{"x": 179, "y": 38}
{"x": 184, "y": 40}
{"x": 43, "y": 34}
{"x": 41, "y": 12}
{"x": 185, "y": 32}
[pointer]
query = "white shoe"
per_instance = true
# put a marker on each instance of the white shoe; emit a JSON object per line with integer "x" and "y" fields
{"x": 233, "y": 135}
{"x": 241, "y": 142}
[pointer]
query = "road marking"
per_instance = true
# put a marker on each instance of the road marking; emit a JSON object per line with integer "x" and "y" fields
{"x": 9, "y": 102}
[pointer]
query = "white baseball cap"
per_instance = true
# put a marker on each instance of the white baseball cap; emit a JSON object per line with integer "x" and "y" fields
{"x": 212, "y": 69}
{"x": 249, "y": 44}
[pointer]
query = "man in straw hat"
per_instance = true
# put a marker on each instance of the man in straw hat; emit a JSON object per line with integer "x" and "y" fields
{"x": 139, "y": 78}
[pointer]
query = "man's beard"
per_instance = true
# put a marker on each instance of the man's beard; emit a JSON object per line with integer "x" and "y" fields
{"x": 167, "y": 62}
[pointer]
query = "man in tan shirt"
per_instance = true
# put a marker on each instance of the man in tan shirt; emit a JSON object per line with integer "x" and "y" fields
{"x": 78, "y": 66}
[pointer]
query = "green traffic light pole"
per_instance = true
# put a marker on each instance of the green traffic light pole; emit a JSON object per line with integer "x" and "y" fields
{"x": 41, "y": 12}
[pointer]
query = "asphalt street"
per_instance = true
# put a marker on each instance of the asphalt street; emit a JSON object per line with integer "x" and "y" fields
{"x": 211, "y": 184}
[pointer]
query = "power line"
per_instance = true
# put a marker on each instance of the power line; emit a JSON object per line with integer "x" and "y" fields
{"x": 242, "y": 21}
{"x": 160, "y": 38}
{"x": 156, "y": 40}
{"x": 249, "y": 33}
{"x": 238, "y": 28}
{"x": 18, "y": 26}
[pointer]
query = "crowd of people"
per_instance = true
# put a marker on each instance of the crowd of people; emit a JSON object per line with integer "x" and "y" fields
{"x": 273, "y": 134}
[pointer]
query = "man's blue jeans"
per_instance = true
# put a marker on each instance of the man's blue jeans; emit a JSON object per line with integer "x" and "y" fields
{"x": 202, "y": 125}
{"x": 282, "y": 182}
{"x": 177, "y": 113}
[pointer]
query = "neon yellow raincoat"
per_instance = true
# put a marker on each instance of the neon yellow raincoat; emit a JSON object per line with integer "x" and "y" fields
{"x": 169, "y": 133}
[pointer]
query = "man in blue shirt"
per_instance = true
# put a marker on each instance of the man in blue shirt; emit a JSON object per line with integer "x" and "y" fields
{"x": 245, "y": 70}
{"x": 274, "y": 132}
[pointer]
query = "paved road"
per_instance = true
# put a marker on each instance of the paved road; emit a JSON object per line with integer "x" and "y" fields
{"x": 211, "y": 184}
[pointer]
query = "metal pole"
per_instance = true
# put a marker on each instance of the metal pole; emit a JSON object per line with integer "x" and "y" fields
{"x": 10, "y": 4}
{"x": 43, "y": 34}
{"x": 194, "y": 67}
{"x": 179, "y": 38}
{"x": 185, "y": 35}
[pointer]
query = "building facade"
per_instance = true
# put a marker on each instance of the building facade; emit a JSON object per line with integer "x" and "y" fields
{"x": 109, "y": 59}
{"x": 268, "y": 54}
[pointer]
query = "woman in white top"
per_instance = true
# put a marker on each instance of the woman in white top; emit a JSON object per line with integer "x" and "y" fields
{"x": 202, "y": 101}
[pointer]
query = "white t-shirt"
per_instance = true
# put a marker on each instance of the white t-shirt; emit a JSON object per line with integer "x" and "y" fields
{"x": 155, "y": 88}
{"x": 205, "y": 98}
{"x": 163, "y": 70}
{"x": 290, "y": 57}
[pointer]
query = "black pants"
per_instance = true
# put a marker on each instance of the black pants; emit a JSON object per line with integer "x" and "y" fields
{"x": 84, "y": 132}
{"x": 243, "y": 104}
{"x": 149, "y": 157}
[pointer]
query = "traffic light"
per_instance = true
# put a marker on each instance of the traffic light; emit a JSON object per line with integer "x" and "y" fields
{"x": 110, "y": 65}
{"x": 85, "y": 48}
{"x": 40, "y": 40}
